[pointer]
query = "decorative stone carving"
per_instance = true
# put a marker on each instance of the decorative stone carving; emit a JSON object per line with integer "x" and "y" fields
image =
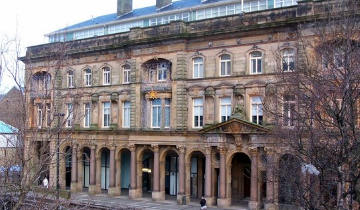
{"x": 210, "y": 92}
{"x": 114, "y": 97}
{"x": 94, "y": 98}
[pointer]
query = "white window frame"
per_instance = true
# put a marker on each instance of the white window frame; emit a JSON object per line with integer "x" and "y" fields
{"x": 227, "y": 71}
{"x": 198, "y": 67}
{"x": 48, "y": 115}
{"x": 106, "y": 75}
{"x": 70, "y": 79}
{"x": 87, "y": 115}
{"x": 162, "y": 72}
{"x": 87, "y": 77}
{"x": 289, "y": 114}
{"x": 126, "y": 74}
{"x": 158, "y": 108}
{"x": 69, "y": 115}
{"x": 106, "y": 111}
{"x": 126, "y": 114}
{"x": 256, "y": 59}
{"x": 288, "y": 57}
{"x": 258, "y": 106}
{"x": 39, "y": 116}
{"x": 200, "y": 109}
{"x": 167, "y": 106}
{"x": 225, "y": 106}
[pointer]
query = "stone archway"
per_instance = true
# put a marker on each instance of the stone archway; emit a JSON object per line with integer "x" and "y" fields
{"x": 68, "y": 166}
{"x": 169, "y": 174}
{"x": 105, "y": 169}
{"x": 240, "y": 174}
{"x": 289, "y": 177}
{"x": 145, "y": 167}
{"x": 86, "y": 167}
{"x": 125, "y": 170}
{"x": 196, "y": 171}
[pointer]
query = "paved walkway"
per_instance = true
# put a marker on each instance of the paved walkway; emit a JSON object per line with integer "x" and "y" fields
{"x": 121, "y": 202}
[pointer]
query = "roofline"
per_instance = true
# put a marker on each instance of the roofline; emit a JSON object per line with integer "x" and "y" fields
{"x": 146, "y": 16}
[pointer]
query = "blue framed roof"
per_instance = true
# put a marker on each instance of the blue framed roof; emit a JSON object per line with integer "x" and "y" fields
{"x": 176, "y": 5}
{"x": 6, "y": 128}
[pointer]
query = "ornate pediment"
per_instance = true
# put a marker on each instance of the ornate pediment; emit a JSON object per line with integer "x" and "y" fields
{"x": 235, "y": 126}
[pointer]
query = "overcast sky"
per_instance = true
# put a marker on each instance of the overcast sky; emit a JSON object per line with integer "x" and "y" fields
{"x": 32, "y": 19}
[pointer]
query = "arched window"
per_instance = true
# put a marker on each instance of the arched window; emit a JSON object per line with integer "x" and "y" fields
{"x": 288, "y": 60}
{"x": 70, "y": 79}
{"x": 88, "y": 77}
{"x": 162, "y": 71}
{"x": 126, "y": 74}
{"x": 198, "y": 67}
{"x": 256, "y": 62}
{"x": 225, "y": 65}
{"x": 41, "y": 82}
{"x": 106, "y": 76}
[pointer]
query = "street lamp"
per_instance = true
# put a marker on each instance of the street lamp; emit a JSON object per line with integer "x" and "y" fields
{"x": 58, "y": 115}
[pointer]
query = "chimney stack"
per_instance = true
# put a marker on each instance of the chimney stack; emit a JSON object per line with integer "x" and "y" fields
{"x": 162, "y": 3}
{"x": 123, "y": 7}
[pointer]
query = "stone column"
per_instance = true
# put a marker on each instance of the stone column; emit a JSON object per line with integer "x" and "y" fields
{"x": 222, "y": 200}
{"x": 74, "y": 167}
{"x": 112, "y": 187}
{"x": 156, "y": 196}
{"x": 92, "y": 187}
{"x": 270, "y": 179}
{"x": 181, "y": 198}
{"x": 208, "y": 183}
{"x": 254, "y": 201}
{"x": 133, "y": 192}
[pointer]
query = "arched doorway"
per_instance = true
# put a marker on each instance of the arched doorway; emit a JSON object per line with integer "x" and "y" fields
{"x": 68, "y": 167}
{"x": 86, "y": 167}
{"x": 240, "y": 179}
{"x": 171, "y": 175}
{"x": 197, "y": 175}
{"x": 125, "y": 161}
{"x": 147, "y": 168}
{"x": 44, "y": 159}
{"x": 289, "y": 179}
{"x": 105, "y": 169}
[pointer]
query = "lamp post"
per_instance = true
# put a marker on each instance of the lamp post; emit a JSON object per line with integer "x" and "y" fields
{"x": 58, "y": 115}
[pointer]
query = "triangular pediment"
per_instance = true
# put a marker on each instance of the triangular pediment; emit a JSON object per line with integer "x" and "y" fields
{"x": 235, "y": 126}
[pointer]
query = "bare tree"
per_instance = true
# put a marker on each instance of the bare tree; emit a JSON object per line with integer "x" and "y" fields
{"x": 315, "y": 110}
{"x": 35, "y": 150}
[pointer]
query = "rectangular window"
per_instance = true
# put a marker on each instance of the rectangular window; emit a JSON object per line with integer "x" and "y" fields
{"x": 156, "y": 113}
{"x": 225, "y": 109}
{"x": 126, "y": 76}
{"x": 198, "y": 112}
{"x": 88, "y": 77}
{"x": 167, "y": 113}
{"x": 48, "y": 115}
{"x": 69, "y": 115}
{"x": 106, "y": 111}
{"x": 225, "y": 65}
{"x": 256, "y": 110}
{"x": 288, "y": 110}
{"x": 39, "y": 115}
{"x": 106, "y": 76}
{"x": 126, "y": 114}
{"x": 70, "y": 78}
{"x": 87, "y": 118}
{"x": 162, "y": 71}
{"x": 198, "y": 68}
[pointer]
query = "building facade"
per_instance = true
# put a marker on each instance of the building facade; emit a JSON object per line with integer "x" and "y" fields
{"x": 170, "y": 107}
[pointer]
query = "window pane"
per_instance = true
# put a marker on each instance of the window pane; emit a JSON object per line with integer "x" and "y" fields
{"x": 253, "y": 65}
{"x": 259, "y": 68}
{"x": 228, "y": 68}
{"x": 222, "y": 68}
{"x": 167, "y": 117}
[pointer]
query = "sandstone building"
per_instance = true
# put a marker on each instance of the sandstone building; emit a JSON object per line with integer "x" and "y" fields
{"x": 167, "y": 100}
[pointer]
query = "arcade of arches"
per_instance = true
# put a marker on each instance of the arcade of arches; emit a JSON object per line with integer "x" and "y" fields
{"x": 226, "y": 174}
